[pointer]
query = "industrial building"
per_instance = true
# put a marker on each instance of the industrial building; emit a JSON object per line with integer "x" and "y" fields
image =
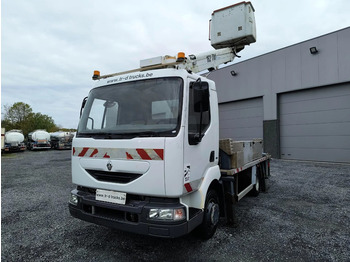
{"x": 296, "y": 98}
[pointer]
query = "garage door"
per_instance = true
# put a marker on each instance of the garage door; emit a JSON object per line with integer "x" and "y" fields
{"x": 241, "y": 120}
{"x": 315, "y": 124}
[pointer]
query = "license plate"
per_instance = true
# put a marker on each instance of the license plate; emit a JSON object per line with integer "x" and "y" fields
{"x": 111, "y": 196}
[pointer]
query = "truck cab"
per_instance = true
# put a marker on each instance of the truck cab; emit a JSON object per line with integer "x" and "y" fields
{"x": 147, "y": 146}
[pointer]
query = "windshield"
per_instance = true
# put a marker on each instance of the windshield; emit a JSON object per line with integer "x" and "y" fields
{"x": 141, "y": 108}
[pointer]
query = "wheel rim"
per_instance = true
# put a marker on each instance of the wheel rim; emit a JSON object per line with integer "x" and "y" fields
{"x": 214, "y": 213}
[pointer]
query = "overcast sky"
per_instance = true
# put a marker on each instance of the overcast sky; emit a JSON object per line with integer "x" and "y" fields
{"x": 49, "y": 49}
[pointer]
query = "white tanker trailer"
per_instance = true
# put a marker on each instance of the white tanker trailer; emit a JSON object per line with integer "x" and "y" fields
{"x": 38, "y": 139}
{"x": 14, "y": 141}
{"x": 2, "y": 139}
{"x": 61, "y": 140}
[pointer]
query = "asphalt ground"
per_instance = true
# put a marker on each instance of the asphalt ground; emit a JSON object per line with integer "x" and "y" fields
{"x": 304, "y": 216}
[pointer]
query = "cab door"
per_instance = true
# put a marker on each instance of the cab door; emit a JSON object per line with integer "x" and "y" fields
{"x": 201, "y": 135}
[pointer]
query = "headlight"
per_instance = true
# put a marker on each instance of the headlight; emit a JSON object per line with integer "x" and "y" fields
{"x": 167, "y": 214}
{"x": 73, "y": 199}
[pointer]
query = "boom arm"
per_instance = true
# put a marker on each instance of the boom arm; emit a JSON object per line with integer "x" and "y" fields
{"x": 209, "y": 60}
{"x": 195, "y": 63}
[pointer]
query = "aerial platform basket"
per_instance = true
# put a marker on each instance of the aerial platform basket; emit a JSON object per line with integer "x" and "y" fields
{"x": 233, "y": 26}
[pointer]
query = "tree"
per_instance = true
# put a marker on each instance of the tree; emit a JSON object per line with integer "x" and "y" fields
{"x": 18, "y": 112}
{"x": 40, "y": 121}
{"x": 21, "y": 116}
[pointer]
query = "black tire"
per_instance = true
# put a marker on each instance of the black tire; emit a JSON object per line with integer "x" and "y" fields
{"x": 256, "y": 188}
{"x": 262, "y": 180}
{"x": 211, "y": 215}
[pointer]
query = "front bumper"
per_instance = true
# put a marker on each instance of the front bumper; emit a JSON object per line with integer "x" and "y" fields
{"x": 40, "y": 146}
{"x": 14, "y": 148}
{"x": 133, "y": 216}
{"x": 64, "y": 146}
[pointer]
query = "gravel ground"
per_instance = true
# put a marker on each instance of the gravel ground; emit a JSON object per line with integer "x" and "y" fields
{"x": 304, "y": 216}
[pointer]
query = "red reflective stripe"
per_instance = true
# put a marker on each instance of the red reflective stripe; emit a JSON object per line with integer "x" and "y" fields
{"x": 128, "y": 156}
{"x": 143, "y": 154}
{"x": 160, "y": 153}
{"x": 94, "y": 152}
{"x": 188, "y": 187}
{"x": 83, "y": 152}
{"x": 106, "y": 156}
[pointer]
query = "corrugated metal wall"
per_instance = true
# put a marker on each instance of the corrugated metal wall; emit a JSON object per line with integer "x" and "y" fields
{"x": 315, "y": 124}
{"x": 305, "y": 87}
{"x": 241, "y": 120}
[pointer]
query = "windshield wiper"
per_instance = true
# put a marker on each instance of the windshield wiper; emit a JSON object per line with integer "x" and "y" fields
{"x": 124, "y": 135}
{"x": 104, "y": 135}
{"x": 146, "y": 134}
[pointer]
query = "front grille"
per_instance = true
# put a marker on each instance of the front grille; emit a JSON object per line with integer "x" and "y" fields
{"x": 42, "y": 145}
{"x": 111, "y": 213}
{"x": 115, "y": 177}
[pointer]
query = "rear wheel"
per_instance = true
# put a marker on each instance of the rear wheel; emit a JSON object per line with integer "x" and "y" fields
{"x": 211, "y": 215}
{"x": 262, "y": 180}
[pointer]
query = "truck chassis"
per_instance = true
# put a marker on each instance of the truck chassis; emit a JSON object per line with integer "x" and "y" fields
{"x": 238, "y": 182}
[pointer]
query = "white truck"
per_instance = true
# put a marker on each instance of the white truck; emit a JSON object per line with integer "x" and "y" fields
{"x": 2, "y": 139}
{"x": 145, "y": 158}
{"x": 61, "y": 140}
{"x": 14, "y": 141}
{"x": 38, "y": 140}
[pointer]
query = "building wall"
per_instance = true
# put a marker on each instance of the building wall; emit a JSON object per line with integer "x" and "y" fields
{"x": 286, "y": 70}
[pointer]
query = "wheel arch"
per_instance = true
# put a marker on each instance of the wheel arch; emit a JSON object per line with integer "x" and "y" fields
{"x": 210, "y": 180}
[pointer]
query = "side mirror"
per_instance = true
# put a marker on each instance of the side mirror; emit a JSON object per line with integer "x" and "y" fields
{"x": 201, "y": 96}
{"x": 83, "y": 105}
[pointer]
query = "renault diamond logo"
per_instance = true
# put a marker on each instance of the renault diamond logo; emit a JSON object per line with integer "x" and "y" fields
{"x": 109, "y": 165}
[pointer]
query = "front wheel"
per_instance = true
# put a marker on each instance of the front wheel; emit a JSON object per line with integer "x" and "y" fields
{"x": 211, "y": 215}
